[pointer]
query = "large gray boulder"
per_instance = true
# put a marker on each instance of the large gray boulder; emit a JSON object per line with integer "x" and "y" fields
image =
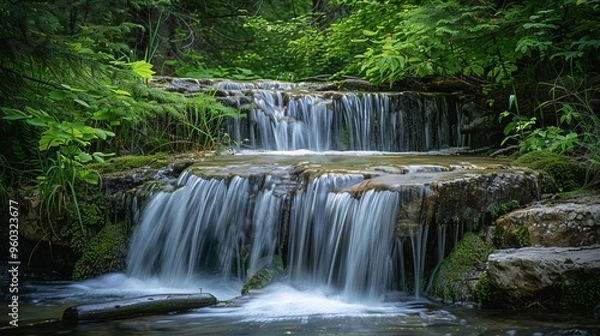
{"x": 525, "y": 272}
{"x": 555, "y": 225}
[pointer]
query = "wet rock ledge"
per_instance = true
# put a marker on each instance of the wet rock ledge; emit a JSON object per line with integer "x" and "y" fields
{"x": 549, "y": 256}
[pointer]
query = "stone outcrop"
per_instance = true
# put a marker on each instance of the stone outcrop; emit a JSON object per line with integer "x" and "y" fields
{"x": 560, "y": 225}
{"x": 455, "y": 196}
{"x": 551, "y": 271}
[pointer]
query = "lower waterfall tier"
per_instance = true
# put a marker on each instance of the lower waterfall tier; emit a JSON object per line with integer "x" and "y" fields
{"x": 353, "y": 225}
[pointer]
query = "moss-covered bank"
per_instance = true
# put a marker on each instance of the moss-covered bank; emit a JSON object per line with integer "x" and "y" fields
{"x": 454, "y": 279}
{"x": 558, "y": 173}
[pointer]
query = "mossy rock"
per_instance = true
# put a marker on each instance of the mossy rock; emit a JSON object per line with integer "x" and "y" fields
{"x": 452, "y": 279}
{"x": 130, "y": 162}
{"x": 557, "y": 172}
{"x": 483, "y": 289}
{"x": 264, "y": 276}
{"x": 104, "y": 253}
{"x": 508, "y": 234}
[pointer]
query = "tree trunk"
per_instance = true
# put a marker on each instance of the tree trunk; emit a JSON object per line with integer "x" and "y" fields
{"x": 143, "y": 305}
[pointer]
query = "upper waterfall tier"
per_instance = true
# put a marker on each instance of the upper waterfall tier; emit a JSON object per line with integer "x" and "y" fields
{"x": 291, "y": 116}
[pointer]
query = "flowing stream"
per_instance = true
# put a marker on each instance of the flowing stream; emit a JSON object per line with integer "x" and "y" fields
{"x": 330, "y": 188}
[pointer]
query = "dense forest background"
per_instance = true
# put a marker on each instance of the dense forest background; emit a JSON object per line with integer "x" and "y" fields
{"x": 74, "y": 73}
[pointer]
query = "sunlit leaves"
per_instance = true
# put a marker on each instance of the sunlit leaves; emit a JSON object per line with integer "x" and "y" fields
{"x": 141, "y": 68}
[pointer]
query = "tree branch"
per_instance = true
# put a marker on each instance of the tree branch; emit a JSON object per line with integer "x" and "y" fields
{"x": 18, "y": 73}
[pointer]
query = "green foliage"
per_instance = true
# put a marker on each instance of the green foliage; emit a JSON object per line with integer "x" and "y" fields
{"x": 574, "y": 99}
{"x": 101, "y": 246}
{"x": 273, "y": 53}
{"x": 523, "y": 131}
{"x": 74, "y": 89}
{"x": 483, "y": 290}
{"x": 451, "y": 279}
{"x": 559, "y": 173}
{"x": 64, "y": 149}
{"x": 498, "y": 209}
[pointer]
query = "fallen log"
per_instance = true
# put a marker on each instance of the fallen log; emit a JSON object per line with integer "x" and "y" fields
{"x": 139, "y": 306}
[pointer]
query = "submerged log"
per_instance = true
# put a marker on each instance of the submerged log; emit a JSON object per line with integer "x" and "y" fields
{"x": 139, "y": 306}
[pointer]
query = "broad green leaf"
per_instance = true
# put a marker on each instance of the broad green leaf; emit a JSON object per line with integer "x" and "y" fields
{"x": 120, "y": 92}
{"x": 48, "y": 141}
{"x": 101, "y": 115}
{"x": 84, "y": 157}
{"x": 89, "y": 177}
{"x": 36, "y": 122}
{"x": 142, "y": 68}
{"x": 58, "y": 94}
{"x": 81, "y": 102}
{"x": 369, "y": 32}
{"x": 100, "y": 134}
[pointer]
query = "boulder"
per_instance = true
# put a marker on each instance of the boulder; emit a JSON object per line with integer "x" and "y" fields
{"x": 526, "y": 272}
{"x": 559, "y": 225}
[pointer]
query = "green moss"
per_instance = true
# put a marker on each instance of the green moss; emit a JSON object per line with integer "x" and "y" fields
{"x": 511, "y": 235}
{"x": 483, "y": 289}
{"x": 130, "y": 162}
{"x": 582, "y": 294}
{"x": 451, "y": 279}
{"x": 498, "y": 209}
{"x": 264, "y": 276}
{"x": 522, "y": 234}
{"x": 99, "y": 247}
{"x": 104, "y": 253}
{"x": 557, "y": 172}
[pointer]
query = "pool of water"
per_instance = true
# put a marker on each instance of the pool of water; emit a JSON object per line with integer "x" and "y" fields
{"x": 279, "y": 309}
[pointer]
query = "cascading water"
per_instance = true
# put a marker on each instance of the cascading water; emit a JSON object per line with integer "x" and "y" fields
{"x": 335, "y": 240}
{"x": 338, "y": 239}
{"x": 203, "y": 226}
{"x": 342, "y": 242}
{"x": 395, "y": 122}
{"x": 333, "y": 231}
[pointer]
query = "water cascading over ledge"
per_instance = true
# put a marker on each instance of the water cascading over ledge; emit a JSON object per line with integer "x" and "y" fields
{"x": 285, "y": 116}
{"x": 359, "y": 232}
{"x": 340, "y": 121}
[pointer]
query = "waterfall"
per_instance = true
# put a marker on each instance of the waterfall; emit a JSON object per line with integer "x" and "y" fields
{"x": 203, "y": 226}
{"x": 342, "y": 242}
{"x": 339, "y": 241}
{"x": 353, "y": 226}
{"x": 395, "y": 122}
